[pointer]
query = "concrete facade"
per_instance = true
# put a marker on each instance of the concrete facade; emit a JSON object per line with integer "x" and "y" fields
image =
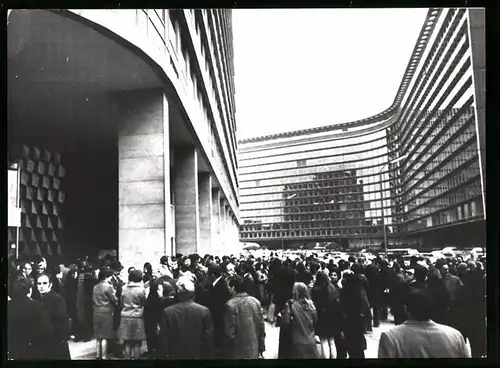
{"x": 187, "y": 222}
{"x": 412, "y": 175}
{"x": 205, "y": 215}
{"x": 216, "y": 220}
{"x": 477, "y": 34}
{"x": 143, "y": 185}
{"x": 169, "y": 76}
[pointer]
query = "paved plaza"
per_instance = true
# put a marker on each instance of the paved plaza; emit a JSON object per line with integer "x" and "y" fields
{"x": 87, "y": 350}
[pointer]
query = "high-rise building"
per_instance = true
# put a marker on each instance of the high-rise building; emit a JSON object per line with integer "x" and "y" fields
{"x": 416, "y": 170}
{"x": 139, "y": 104}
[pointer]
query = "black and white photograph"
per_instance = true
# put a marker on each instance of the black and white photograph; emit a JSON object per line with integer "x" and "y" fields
{"x": 246, "y": 184}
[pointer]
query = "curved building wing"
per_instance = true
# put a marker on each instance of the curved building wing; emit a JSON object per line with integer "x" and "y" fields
{"x": 411, "y": 175}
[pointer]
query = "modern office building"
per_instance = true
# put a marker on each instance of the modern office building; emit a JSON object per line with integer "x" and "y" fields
{"x": 138, "y": 108}
{"x": 416, "y": 170}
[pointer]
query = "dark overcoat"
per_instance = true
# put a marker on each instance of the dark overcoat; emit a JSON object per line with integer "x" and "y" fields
{"x": 244, "y": 327}
{"x": 28, "y": 330}
{"x": 187, "y": 331}
{"x": 55, "y": 307}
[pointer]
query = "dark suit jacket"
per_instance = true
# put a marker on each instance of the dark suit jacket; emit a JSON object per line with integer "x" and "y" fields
{"x": 28, "y": 330}
{"x": 55, "y": 307}
{"x": 187, "y": 331}
{"x": 218, "y": 297}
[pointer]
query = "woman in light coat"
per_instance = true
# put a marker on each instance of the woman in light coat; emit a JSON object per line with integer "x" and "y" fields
{"x": 105, "y": 301}
{"x": 132, "y": 330}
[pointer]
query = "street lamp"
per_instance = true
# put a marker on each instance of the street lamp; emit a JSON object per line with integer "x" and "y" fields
{"x": 382, "y": 199}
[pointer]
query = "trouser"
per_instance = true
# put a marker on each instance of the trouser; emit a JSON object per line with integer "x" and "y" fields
{"x": 219, "y": 343}
{"x": 369, "y": 326}
{"x": 152, "y": 343}
{"x": 379, "y": 313}
{"x": 368, "y": 322}
{"x": 384, "y": 313}
{"x": 82, "y": 330}
{"x": 376, "y": 316}
{"x": 477, "y": 341}
{"x": 341, "y": 346}
{"x": 356, "y": 353}
{"x": 355, "y": 343}
{"x": 115, "y": 348}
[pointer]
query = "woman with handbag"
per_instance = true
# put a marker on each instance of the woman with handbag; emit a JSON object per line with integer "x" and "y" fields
{"x": 298, "y": 320}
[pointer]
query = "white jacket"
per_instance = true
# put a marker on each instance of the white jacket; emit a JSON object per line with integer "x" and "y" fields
{"x": 414, "y": 339}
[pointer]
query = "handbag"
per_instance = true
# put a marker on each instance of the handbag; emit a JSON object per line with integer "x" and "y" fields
{"x": 291, "y": 318}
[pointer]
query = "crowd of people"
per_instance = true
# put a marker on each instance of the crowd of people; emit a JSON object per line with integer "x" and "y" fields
{"x": 192, "y": 307}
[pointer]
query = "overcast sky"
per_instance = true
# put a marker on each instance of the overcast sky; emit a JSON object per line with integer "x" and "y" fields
{"x": 303, "y": 68}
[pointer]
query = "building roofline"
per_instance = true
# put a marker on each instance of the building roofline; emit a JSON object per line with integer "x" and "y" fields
{"x": 423, "y": 39}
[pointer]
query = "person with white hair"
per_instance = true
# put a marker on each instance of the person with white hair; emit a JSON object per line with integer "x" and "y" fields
{"x": 187, "y": 328}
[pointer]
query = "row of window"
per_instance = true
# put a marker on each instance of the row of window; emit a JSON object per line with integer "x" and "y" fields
{"x": 437, "y": 181}
{"x": 194, "y": 86}
{"x": 463, "y": 212}
{"x": 307, "y": 233}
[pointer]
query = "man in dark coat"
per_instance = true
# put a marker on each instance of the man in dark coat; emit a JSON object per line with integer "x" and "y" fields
{"x": 113, "y": 345}
{"x": 40, "y": 268}
{"x": 355, "y": 307}
{"x": 397, "y": 295}
{"x": 218, "y": 296}
{"x": 55, "y": 307}
{"x": 187, "y": 329}
{"x": 28, "y": 326}
{"x": 244, "y": 323}
{"x": 471, "y": 305}
{"x": 283, "y": 286}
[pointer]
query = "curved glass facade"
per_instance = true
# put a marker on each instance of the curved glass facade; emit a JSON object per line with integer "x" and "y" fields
{"x": 413, "y": 167}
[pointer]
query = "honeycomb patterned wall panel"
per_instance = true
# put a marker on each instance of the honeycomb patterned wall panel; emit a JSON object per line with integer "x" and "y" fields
{"x": 41, "y": 199}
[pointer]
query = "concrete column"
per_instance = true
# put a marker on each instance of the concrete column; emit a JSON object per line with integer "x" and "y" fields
{"x": 236, "y": 232}
{"x": 477, "y": 36}
{"x": 205, "y": 208}
{"x": 216, "y": 214}
{"x": 187, "y": 225}
{"x": 144, "y": 184}
{"x": 227, "y": 230}
{"x": 222, "y": 229}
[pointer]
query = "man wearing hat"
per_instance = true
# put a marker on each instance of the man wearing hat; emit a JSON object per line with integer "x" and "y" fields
{"x": 419, "y": 281}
